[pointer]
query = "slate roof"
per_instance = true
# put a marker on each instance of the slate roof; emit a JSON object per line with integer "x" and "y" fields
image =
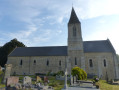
{"x": 73, "y": 18}
{"x": 98, "y": 46}
{"x": 40, "y": 51}
{"x": 89, "y": 46}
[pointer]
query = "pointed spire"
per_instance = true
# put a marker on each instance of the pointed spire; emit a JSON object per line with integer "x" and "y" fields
{"x": 73, "y": 18}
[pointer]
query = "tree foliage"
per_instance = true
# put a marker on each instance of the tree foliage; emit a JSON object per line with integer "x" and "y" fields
{"x": 7, "y": 49}
{"x": 118, "y": 56}
{"x": 79, "y": 73}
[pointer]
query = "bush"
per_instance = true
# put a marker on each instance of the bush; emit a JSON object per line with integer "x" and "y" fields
{"x": 79, "y": 73}
{"x": 95, "y": 79}
{"x": 60, "y": 73}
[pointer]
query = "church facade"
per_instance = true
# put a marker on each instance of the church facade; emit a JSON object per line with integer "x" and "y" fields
{"x": 95, "y": 57}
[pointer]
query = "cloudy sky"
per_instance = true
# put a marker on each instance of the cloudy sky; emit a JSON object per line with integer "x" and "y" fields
{"x": 44, "y": 22}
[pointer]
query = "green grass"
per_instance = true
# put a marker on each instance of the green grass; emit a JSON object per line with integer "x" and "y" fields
{"x": 105, "y": 86}
{"x": 2, "y": 85}
{"x": 56, "y": 84}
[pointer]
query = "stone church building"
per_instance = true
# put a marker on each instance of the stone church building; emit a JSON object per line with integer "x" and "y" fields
{"x": 95, "y": 57}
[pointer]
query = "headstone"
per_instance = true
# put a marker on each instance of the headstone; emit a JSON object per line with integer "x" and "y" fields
{"x": 38, "y": 79}
{"x": 12, "y": 81}
{"x": 8, "y": 68}
{"x": 45, "y": 79}
{"x": 27, "y": 80}
{"x": 71, "y": 80}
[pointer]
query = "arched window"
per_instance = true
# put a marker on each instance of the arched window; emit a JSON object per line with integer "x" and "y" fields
{"x": 104, "y": 63}
{"x": 60, "y": 63}
{"x": 34, "y": 62}
{"x": 74, "y": 31}
{"x": 90, "y": 63}
{"x": 21, "y": 62}
{"x": 47, "y": 63}
{"x": 75, "y": 61}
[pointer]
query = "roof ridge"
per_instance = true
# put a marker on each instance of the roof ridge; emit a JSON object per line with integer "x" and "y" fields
{"x": 41, "y": 46}
{"x": 94, "y": 40}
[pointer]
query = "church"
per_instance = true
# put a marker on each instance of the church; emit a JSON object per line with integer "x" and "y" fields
{"x": 95, "y": 57}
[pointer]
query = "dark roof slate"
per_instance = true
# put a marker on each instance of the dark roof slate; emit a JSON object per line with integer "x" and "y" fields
{"x": 98, "y": 46}
{"x": 89, "y": 46}
{"x": 73, "y": 18}
{"x": 40, "y": 51}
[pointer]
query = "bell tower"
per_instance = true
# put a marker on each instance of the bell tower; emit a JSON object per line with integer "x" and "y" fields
{"x": 75, "y": 42}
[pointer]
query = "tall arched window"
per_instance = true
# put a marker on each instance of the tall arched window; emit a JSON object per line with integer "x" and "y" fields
{"x": 34, "y": 62}
{"x": 75, "y": 61}
{"x": 74, "y": 31}
{"x": 21, "y": 62}
{"x": 47, "y": 63}
{"x": 60, "y": 63}
{"x": 104, "y": 63}
{"x": 90, "y": 63}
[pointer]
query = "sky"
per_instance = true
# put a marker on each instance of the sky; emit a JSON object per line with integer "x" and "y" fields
{"x": 44, "y": 22}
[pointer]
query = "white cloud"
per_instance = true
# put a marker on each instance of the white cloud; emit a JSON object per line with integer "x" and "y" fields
{"x": 104, "y": 34}
{"x": 95, "y": 8}
{"x": 37, "y": 14}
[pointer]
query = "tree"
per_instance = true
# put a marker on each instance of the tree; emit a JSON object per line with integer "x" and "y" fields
{"x": 118, "y": 56}
{"x": 7, "y": 49}
{"x": 79, "y": 73}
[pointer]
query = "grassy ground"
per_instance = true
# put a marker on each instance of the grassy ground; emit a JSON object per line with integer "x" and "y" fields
{"x": 106, "y": 86}
{"x": 2, "y": 85}
{"x": 56, "y": 84}
{"x": 59, "y": 84}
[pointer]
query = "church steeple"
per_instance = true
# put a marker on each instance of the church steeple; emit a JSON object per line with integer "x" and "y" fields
{"x": 73, "y": 18}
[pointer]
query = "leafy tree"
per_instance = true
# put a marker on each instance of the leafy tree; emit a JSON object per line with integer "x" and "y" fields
{"x": 7, "y": 49}
{"x": 60, "y": 73}
{"x": 118, "y": 56}
{"x": 79, "y": 73}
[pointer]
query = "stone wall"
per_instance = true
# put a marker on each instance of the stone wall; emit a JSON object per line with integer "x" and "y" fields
{"x": 98, "y": 65}
{"x": 40, "y": 66}
{"x": 36, "y": 64}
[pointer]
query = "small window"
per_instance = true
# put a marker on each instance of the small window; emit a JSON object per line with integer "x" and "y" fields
{"x": 104, "y": 63}
{"x": 34, "y": 62}
{"x": 21, "y": 62}
{"x": 91, "y": 63}
{"x": 74, "y": 31}
{"x": 75, "y": 61}
{"x": 60, "y": 63}
{"x": 47, "y": 63}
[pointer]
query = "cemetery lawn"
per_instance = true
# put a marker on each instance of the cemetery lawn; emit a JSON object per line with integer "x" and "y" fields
{"x": 105, "y": 86}
{"x": 56, "y": 84}
{"x": 2, "y": 85}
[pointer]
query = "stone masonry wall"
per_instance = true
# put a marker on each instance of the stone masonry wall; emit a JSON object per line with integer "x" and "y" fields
{"x": 98, "y": 65}
{"x": 40, "y": 66}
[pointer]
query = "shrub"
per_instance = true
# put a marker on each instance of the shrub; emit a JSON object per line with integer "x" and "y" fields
{"x": 95, "y": 79}
{"x": 79, "y": 73}
{"x": 60, "y": 73}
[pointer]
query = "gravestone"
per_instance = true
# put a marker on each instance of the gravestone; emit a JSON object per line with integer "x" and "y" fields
{"x": 38, "y": 79}
{"x": 8, "y": 68}
{"x": 71, "y": 80}
{"x": 12, "y": 81}
{"x": 45, "y": 79}
{"x": 27, "y": 80}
